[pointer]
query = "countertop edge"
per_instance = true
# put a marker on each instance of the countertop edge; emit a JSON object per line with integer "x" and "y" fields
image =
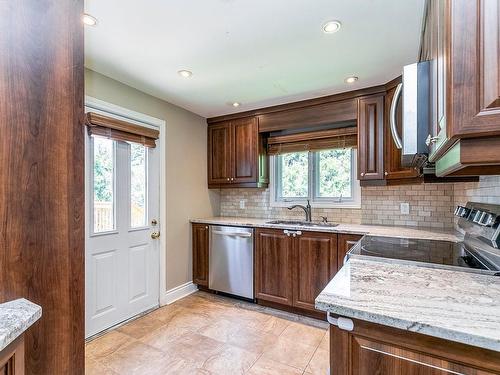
{"x": 15, "y": 318}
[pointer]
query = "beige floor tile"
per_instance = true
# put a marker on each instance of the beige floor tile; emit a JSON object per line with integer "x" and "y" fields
{"x": 303, "y": 334}
{"x": 191, "y": 319}
{"x": 93, "y": 367}
{"x": 163, "y": 337}
{"x": 265, "y": 366}
{"x": 166, "y": 313}
{"x": 273, "y": 325}
{"x": 195, "y": 347}
{"x": 320, "y": 363}
{"x": 325, "y": 342}
{"x": 221, "y": 330}
{"x": 141, "y": 326}
{"x": 230, "y": 360}
{"x": 291, "y": 353}
{"x": 132, "y": 358}
{"x": 107, "y": 344}
{"x": 252, "y": 340}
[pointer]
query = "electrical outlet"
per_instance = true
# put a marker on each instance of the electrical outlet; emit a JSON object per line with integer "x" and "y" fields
{"x": 405, "y": 208}
{"x": 242, "y": 204}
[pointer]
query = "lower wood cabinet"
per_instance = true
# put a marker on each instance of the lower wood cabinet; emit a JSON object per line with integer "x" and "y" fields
{"x": 290, "y": 270}
{"x": 12, "y": 358}
{"x": 200, "y": 246}
{"x": 345, "y": 242}
{"x": 374, "y": 349}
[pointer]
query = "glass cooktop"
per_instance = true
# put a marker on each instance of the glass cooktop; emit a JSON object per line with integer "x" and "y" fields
{"x": 424, "y": 251}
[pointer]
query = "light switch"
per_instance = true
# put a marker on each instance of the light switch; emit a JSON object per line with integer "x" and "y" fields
{"x": 405, "y": 208}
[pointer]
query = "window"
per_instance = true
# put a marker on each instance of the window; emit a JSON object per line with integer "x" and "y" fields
{"x": 103, "y": 155}
{"x": 327, "y": 178}
{"x": 138, "y": 174}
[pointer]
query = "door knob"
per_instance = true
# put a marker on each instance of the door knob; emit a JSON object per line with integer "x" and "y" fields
{"x": 155, "y": 235}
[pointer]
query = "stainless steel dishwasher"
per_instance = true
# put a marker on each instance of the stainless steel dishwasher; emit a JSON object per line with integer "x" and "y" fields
{"x": 231, "y": 260}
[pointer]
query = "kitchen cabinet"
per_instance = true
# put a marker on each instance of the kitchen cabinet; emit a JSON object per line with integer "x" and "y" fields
{"x": 200, "y": 245}
{"x": 374, "y": 349}
{"x": 292, "y": 270}
{"x": 371, "y": 138}
{"x": 236, "y": 154}
{"x": 345, "y": 242}
{"x": 461, "y": 38}
{"x": 12, "y": 358}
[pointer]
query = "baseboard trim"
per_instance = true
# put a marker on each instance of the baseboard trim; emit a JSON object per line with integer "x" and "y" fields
{"x": 177, "y": 293}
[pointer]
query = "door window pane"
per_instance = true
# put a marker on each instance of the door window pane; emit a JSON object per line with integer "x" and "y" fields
{"x": 104, "y": 181}
{"x": 294, "y": 175}
{"x": 138, "y": 168}
{"x": 334, "y": 177}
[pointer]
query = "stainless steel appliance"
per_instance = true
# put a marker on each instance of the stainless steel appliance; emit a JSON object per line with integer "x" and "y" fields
{"x": 231, "y": 260}
{"x": 480, "y": 250}
{"x": 415, "y": 91}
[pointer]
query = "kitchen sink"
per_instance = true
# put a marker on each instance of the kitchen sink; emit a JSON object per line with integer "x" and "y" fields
{"x": 302, "y": 223}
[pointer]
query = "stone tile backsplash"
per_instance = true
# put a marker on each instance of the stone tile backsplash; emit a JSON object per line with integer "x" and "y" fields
{"x": 431, "y": 205}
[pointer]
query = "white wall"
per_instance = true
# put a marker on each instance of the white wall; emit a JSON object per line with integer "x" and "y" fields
{"x": 186, "y": 175}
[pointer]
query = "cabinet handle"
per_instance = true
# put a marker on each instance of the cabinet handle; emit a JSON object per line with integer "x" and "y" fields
{"x": 343, "y": 323}
{"x": 232, "y": 178}
{"x": 228, "y": 179}
{"x": 392, "y": 117}
{"x": 362, "y": 174}
{"x": 292, "y": 233}
{"x": 206, "y": 227}
{"x": 431, "y": 140}
{"x": 386, "y": 173}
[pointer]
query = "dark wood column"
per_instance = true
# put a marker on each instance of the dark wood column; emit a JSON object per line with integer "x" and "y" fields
{"x": 41, "y": 176}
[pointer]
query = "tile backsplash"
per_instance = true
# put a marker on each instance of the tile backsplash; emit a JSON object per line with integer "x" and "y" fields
{"x": 431, "y": 205}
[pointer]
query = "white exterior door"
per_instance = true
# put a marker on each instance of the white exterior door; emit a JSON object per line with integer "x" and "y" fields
{"x": 122, "y": 258}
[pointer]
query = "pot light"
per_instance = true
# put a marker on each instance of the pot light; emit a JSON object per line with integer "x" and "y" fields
{"x": 88, "y": 20}
{"x": 351, "y": 79}
{"x": 185, "y": 73}
{"x": 331, "y": 27}
{"x": 235, "y": 104}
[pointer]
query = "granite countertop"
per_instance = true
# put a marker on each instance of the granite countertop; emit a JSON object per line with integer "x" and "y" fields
{"x": 374, "y": 230}
{"x": 15, "y": 318}
{"x": 453, "y": 305}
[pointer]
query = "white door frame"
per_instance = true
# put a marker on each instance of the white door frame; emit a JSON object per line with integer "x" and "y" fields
{"x": 112, "y": 110}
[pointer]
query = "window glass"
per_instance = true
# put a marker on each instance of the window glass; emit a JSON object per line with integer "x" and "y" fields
{"x": 294, "y": 175}
{"x": 138, "y": 168}
{"x": 104, "y": 181}
{"x": 334, "y": 173}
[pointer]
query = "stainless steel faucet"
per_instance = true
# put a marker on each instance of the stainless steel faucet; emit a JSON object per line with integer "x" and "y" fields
{"x": 307, "y": 210}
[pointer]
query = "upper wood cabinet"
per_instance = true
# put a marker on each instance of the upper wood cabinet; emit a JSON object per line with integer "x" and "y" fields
{"x": 461, "y": 38}
{"x": 236, "y": 154}
{"x": 200, "y": 244}
{"x": 371, "y": 138}
{"x": 293, "y": 270}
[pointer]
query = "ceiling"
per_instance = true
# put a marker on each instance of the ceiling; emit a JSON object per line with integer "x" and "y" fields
{"x": 257, "y": 52}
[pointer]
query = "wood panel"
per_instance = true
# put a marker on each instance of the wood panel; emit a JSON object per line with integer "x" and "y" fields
{"x": 371, "y": 138}
{"x": 219, "y": 153}
{"x": 315, "y": 264}
{"x": 42, "y": 174}
{"x": 200, "y": 245}
{"x": 320, "y": 114}
{"x": 371, "y": 348}
{"x": 245, "y": 150}
{"x": 273, "y": 266}
{"x": 345, "y": 242}
{"x": 12, "y": 360}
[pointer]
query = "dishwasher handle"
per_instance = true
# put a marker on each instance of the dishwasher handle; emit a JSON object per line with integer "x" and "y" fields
{"x": 232, "y": 234}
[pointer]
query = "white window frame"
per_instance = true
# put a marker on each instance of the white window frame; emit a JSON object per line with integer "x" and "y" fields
{"x": 317, "y": 202}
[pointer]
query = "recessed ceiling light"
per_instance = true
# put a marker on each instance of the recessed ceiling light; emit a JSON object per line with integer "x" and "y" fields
{"x": 235, "y": 104}
{"x": 351, "y": 79}
{"x": 185, "y": 73}
{"x": 331, "y": 27}
{"x": 88, "y": 20}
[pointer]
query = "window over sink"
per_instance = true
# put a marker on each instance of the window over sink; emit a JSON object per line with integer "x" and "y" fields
{"x": 326, "y": 177}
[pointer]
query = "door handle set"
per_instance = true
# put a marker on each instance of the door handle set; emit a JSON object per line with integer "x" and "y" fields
{"x": 293, "y": 233}
{"x": 155, "y": 235}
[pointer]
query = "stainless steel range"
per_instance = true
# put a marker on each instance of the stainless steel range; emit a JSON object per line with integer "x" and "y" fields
{"x": 480, "y": 250}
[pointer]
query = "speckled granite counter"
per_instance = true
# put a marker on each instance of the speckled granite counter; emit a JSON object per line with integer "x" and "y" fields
{"x": 374, "y": 230}
{"x": 15, "y": 318}
{"x": 453, "y": 305}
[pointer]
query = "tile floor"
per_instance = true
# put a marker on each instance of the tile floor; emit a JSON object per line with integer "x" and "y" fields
{"x": 208, "y": 334}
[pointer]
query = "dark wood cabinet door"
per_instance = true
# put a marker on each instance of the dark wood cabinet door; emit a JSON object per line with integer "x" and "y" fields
{"x": 245, "y": 134}
{"x": 345, "y": 242}
{"x": 315, "y": 263}
{"x": 373, "y": 357}
{"x": 393, "y": 170}
{"x": 371, "y": 138}
{"x": 200, "y": 254}
{"x": 273, "y": 266}
{"x": 219, "y": 153}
